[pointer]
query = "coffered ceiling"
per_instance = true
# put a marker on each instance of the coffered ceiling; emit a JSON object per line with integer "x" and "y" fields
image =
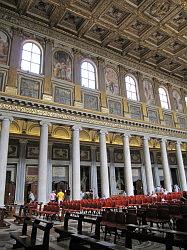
{"x": 153, "y": 32}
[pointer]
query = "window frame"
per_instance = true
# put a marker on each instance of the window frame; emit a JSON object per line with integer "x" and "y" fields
{"x": 96, "y": 76}
{"x": 167, "y": 96}
{"x": 41, "y": 57}
{"x": 136, "y": 88}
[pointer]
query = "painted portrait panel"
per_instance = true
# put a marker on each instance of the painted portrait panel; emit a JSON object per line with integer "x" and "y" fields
{"x": 148, "y": 90}
{"x": 118, "y": 156}
{"x": 172, "y": 158}
{"x": 3, "y": 48}
{"x": 32, "y": 173}
{"x": 62, "y": 66}
{"x": 85, "y": 155}
{"x": 29, "y": 88}
{"x": 135, "y": 156}
{"x": 177, "y": 102}
{"x": 91, "y": 102}
{"x": 62, "y": 95}
{"x": 111, "y": 80}
{"x": 12, "y": 151}
{"x": 115, "y": 107}
{"x": 60, "y": 154}
{"x": 32, "y": 152}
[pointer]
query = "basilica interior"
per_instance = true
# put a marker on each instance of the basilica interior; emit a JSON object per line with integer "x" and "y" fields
{"x": 93, "y": 95}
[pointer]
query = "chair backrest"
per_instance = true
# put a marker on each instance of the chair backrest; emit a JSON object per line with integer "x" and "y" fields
{"x": 131, "y": 218}
{"x": 120, "y": 217}
{"x": 181, "y": 225}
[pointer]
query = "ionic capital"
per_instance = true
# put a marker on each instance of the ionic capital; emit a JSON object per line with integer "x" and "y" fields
{"x": 44, "y": 123}
{"x": 103, "y": 132}
{"x": 76, "y": 128}
{"x": 126, "y": 135}
{"x": 6, "y": 117}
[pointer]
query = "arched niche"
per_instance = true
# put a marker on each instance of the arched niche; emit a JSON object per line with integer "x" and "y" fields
{"x": 61, "y": 132}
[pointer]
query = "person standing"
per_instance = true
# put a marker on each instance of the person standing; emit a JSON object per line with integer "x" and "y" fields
{"x": 52, "y": 196}
{"x": 31, "y": 197}
{"x": 67, "y": 194}
{"x": 60, "y": 196}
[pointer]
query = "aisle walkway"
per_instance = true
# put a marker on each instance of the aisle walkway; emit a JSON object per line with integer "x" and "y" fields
{"x": 6, "y": 242}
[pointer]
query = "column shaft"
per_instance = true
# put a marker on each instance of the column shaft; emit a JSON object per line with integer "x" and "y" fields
{"x": 166, "y": 169}
{"x": 43, "y": 162}
{"x": 94, "y": 185}
{"x": 104, "y": 165}
{"x": 75, "y": 164}
{"x": 4, "y": 140}
{"x": 148, "y": 167}
{"x": 113, "y": 189}
{"x": 20, "y": 176}
{"x": 127, "y": 167}
{"x": 181, "y": 167}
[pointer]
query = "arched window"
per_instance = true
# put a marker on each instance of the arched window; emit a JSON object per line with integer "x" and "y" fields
{"x": 163, "y": 98}
{"x": 31, "y": 58}
{"x": 88, "y": 75}
{"x": 131, "y": 88}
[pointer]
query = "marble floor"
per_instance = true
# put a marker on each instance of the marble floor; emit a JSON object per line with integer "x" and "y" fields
{"x": 6, "y": 242}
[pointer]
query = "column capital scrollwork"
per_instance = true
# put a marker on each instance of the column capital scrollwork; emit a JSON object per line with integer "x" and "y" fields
{"x": 163, "y": 140}
{"x": 178, "y": 142}
{"x": 45, "y": 123}
{"x": 126, "y": 135}
{"x": 6, "y": 117}
{"x": 103, "y": 132}
{"x": 146, "y": 137}
{"x": 76, "y": 128}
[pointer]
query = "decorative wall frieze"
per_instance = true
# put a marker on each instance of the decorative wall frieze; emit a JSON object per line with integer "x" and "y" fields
{"x": 20, "y": 108}
{"x": 14, "y": 19}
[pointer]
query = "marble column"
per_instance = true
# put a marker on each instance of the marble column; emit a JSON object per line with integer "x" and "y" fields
{"x": 76, "y": 184}
{"x": 3, "y": 156}
{"x": 181, "y": 167}
{"x": 165, "y": 165}
{"x": 113, "y": 189}
{"x": 129, "y": 189}
{"x": 70, "y": 171}
{"x": 148, "y": 166}
{"x": 49, "y": 166}
{"x": 156, "y": 171}
{"x": 94, "y": 185}
{"x": 144, "y": 181}
{"x": 43, "y": 163}
{"x": 104, "y": 165}
{"x": 20, "y": 176}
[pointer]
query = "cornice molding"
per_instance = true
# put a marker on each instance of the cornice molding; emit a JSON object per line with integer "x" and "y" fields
{"x": 19, "y": 108}
{"x": 15, "y": 20}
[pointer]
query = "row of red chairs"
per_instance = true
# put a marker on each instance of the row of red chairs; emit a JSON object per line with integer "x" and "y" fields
{"x": 118, "y": 201}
